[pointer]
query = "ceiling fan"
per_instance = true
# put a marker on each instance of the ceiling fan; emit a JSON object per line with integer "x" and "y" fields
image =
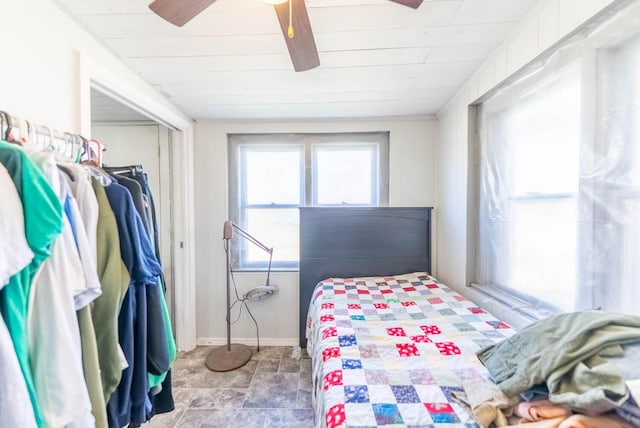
{"x": 292, "y": 14}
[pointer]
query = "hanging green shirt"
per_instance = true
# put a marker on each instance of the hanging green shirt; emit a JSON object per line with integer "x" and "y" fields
{"x": 43, "y": 224}
{"x": 156, "y": 380}
{"x": 114, "y": 278}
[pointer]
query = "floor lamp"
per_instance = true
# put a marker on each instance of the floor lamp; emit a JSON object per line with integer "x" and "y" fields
{"x": 232, "y": 356}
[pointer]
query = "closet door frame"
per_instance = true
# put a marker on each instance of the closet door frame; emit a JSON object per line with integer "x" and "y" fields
{"x": 141, "y": 97}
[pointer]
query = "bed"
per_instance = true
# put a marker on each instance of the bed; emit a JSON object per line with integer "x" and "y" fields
{"x": 390, "y": 345}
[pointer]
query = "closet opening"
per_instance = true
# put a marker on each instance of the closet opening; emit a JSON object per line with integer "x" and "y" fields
{"x": 131, "y": 139}
{"x": 138, "y": 129}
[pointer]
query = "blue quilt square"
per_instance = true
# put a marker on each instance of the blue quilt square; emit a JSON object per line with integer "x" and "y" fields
{"x": 387, "y": 414}
{"x": 351, "y": 364}
{"x": 327, "y": 287}
{"x": 405, "y": 394}
{"x": 357, "y": 317}
{"x": 445, "y": 418}
{"x": 418, "y": 316}
{"x": 446, "y": 312}
{"x": 349, "y": 287}
{"x": 348, "y": 340}
{"x": 448, "y": 392}
{"x": 356, "y": 394}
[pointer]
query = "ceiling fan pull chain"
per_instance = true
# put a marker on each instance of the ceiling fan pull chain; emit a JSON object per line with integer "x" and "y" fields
{"x": 290, "y": 32}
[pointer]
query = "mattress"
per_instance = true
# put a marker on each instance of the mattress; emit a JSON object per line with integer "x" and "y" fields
{"x": 395, "y": 351}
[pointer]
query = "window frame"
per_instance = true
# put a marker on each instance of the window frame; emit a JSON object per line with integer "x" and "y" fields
{"x": 602, "y": 250}
{"x": 239, "y": 143}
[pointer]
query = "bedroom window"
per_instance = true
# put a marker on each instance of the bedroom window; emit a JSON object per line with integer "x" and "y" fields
{"x": 271, "y": 175}
{"x": 559, "y": 182}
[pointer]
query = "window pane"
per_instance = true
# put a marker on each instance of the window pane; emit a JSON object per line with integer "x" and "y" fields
{"x": 274, "y": 227}
{"x": 344, "y": 175}
{"x": 545, "y": 134}
{"x": 529, "y": 195}
{"x": 273, "y": 177}
{"x": 544, "y": 254}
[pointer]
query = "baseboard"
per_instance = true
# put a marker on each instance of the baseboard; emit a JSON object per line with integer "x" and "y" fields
{"x": 264, "y": 341}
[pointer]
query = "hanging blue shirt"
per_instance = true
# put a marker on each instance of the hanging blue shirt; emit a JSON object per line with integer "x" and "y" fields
{"x": 127, "y": 404}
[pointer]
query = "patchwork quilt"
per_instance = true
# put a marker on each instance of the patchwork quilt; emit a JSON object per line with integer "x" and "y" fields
{"x": 395, "y": 351}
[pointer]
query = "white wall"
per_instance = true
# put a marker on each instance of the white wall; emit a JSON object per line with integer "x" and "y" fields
{"x": 547, "y": 23}
{"x": 411, "y": 183}
{"x": 48, "y": 65}
{"x": 44, "y": 76}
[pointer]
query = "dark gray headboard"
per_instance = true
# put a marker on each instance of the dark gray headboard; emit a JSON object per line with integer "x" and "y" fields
{"x": 347, "y": 242}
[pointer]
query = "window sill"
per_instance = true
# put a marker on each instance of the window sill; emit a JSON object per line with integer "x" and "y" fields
{"x": 257, "y": 270}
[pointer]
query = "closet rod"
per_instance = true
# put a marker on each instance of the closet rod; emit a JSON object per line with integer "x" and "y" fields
{"x": 22, "y": 131}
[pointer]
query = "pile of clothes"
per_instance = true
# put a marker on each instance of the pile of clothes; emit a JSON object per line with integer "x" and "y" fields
{"x": 575, "y": 370}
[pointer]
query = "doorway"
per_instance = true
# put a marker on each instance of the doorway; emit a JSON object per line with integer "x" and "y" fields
{"x": 132, "y": 137}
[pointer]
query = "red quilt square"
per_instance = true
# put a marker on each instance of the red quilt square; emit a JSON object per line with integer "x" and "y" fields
{"x": 329, "y": 353}
{"x": 408, "y": 304}
{"x": 333, "y": 378}
{"x": 381, "y": 306}
{"x": 435, "y": 300}
{"x": 396, "y": 331}
{"x": 476, "y": 311}
{"x": 409, "y": 288}
{"x": 407, "y": 350}
{"x": 430, "y": 329}
{"x": 327, "y": 306}
{"x": 354, "y": 306}
{"x": 363, "y": 292}
{"x": 335, "y": 416}
{"x": 329, "y": 332}
{"x": 386, "y": 291}
{"x": 435, "y": 408}
{"x": 327, "y": 318}
{"x": 448, "y": 348}
{"x": 432, "y": 285}
{"x": 339, "y": 291}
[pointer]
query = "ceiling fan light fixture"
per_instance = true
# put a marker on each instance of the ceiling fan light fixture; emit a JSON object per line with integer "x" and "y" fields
{"x": 274, "y": 2}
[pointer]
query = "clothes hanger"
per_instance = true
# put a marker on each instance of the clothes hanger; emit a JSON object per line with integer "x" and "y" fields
{"x": 92, "y": 165}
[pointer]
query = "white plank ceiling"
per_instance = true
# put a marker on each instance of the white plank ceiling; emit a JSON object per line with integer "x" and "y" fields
{"x": 377, "y": 58}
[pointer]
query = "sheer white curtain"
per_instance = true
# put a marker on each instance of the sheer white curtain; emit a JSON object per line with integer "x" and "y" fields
{"x": 559, "y": 176}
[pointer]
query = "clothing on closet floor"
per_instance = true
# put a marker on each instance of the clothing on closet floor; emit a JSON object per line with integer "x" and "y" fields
{"x": 43, "y": 223}
{"x": 15, "y": 254}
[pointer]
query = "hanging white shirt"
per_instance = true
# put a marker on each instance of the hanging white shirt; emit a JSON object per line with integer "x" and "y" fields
{"x": 15, "y": 254}
{"x": 54, "y": 336}
{"x": 79, "y": 179}
{"x": 87, "y": 291}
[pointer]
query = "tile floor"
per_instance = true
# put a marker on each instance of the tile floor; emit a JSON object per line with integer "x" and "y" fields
{"x": 273, "y": 390}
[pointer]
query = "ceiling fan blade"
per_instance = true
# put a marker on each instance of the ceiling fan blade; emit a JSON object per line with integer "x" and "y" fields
{"x": 179, "y": 12}
{"x": 302, "y": 47}
{"x": 411, "y": 3}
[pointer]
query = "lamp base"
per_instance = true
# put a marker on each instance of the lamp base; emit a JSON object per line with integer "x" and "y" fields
{"x": 222, "y": 360}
